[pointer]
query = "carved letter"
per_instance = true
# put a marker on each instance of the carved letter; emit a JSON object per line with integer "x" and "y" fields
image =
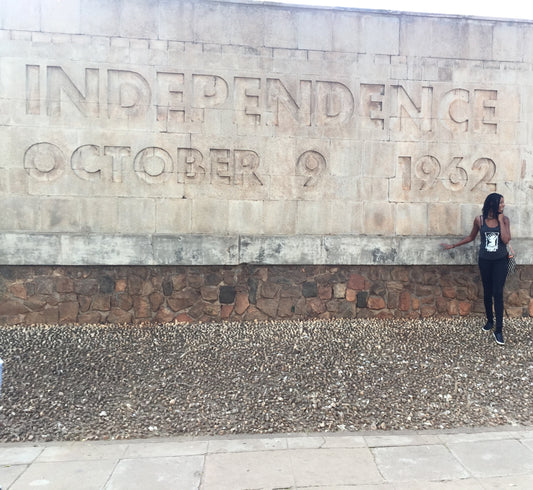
{"x": 407, "y": 110}
{"x": 278, "y": 96}
{"x": 190, "y": 166}
{"x": 209, "y": 91}
{"x": 84, "y": 162}
{"x": 247, "y": 102}
{"x": 58, "y": 82}
{"x": 33, "y": 89}
{"x": 221, "y": 165}
{"x": 454, "y": 111}
{"x": 246, "y": 164}
{"x": 128, "y": 94}
{"x": 372, "y": 99}
{"x": 44, "y": 161}
{"x": 485, "y": 111}
{"x": 117, "y": 154}
{"x": 335, "y": 103}
{"x": 170, "y": 99}
{"x": 153, "y": 165}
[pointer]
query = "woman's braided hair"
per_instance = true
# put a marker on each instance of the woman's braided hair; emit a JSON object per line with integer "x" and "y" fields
{"x": 492, "y": 203}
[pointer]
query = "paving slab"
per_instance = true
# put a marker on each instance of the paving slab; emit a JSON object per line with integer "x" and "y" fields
{"x": 66, "y": 475}
{"x": 179, "y": 473}
{"x": 494, "y": 458}
{"x": 405, "y": 463}
{"x": 463, "y": 484}
{"x": 263, "y": 469}
{"x": 334, "y": 466}
{"x": 9, "y": 474}
{"x": 247, "y": 444}
{"x": 80, "y": 451}
{"x": 165, "y": 448}
{"x": 19, "y": 454}
{"x": 402, "y": 440}
{"x": 512, "y": 482}
{"x": 411, "y": 460}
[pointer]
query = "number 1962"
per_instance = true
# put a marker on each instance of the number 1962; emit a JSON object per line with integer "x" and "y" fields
{"x": 427, "y": 172}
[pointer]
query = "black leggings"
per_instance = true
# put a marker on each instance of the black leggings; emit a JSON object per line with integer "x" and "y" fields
{"x": 493, "y": 275}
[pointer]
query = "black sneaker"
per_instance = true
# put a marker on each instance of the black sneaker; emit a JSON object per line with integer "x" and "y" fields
{"x": 498, "y": 336}
{"x": 487, "y": 327}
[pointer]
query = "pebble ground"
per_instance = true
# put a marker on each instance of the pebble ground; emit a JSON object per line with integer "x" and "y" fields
{"x": 88, "y": 382}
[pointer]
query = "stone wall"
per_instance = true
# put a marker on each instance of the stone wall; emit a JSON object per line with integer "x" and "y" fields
{"x": 50, "y": 295}
{"x": 190, "y": 160}
{"x": 224, "y": 132}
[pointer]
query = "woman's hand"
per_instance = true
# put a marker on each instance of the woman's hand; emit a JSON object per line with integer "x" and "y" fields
{"x": 446, "y": 246}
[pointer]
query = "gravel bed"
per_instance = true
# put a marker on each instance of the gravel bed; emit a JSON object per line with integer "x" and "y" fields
{"x": 87, "y": 382}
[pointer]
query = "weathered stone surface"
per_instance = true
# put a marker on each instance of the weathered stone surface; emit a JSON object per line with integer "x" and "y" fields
{"x": 227, "y": 294}
{"x": 362, "y": 299}
{"x": 268, "y": 306}
{"x": 209, "y": 293}
{"x": 241, "y": 303}
{"x": 309, "y": 289}
{"x": 226, "y": 311}
{"x": 12, "y": 308}
{"x": 339, "y": 290}
{"x": 269, "y": 289}
{"x": 464, "y": 308}
{"x": 356, "y": 282}
{"x": 68, "y": 312}
{"x": 141, "y": 306}
{"x": 117, "y": 315}
{"x": 19, "y": 291}
{"x": 156, "y": 300}
{"x": 375, "y": 303}
{"x": 101, "y": 302}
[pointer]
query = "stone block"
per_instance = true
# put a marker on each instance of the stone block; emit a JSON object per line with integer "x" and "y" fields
{"x": 173, "y": 216}
{"x": 68, "y": 312}
{"x": 281, "y": 250}
{"x": 411, "y": 219}
{"x": 380, "y": 34}
{"x": 117, "y": 315}
{"x": 241, "y": 303}
{"x": 268, "y": 306}
{"x": 375, "y": 303}
{"x": 227, "y": 295}
{"x": 64, "y": 19}
{"x": 245, "y": 217}
{"x": 280, "y": 28}
{"x": 339, "y": 290}
{"x": 195, "y": 249}
{"x": 176, "y": 20}
{"x": 443, "y": 219}
{"x": 23, "y": 16}
{"x": 378, "y": 218}
{"x": 279, "y": 217}
{"x": 314, "y": 29}
{"x": 139, "y": 19}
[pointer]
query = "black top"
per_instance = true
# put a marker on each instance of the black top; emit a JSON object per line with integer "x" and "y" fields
{"x": 491, "y": 246}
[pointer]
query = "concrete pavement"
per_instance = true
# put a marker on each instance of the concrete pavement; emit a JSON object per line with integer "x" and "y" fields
{"x": 459, "y": 459}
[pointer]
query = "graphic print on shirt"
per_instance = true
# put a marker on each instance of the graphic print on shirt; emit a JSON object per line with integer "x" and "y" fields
{"x": 491, "y": 243}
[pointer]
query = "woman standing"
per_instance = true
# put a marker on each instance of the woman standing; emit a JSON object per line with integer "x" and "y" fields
{"x": 495, "y": 231}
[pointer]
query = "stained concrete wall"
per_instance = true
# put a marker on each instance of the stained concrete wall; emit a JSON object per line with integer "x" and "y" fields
{"x": 219, "y": 132}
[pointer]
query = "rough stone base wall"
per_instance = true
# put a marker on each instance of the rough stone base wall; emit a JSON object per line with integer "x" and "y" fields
{"x": 50, "y": 295}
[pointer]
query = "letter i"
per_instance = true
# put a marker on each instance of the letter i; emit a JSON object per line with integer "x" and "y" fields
{"x": 33, "y": 90}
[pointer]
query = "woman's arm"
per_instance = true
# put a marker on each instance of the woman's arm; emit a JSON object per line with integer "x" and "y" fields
{"x": 475, "y": 229}
{"x": 505, "y": 228}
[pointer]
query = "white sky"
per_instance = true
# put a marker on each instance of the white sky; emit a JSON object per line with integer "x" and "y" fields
{"x": 510, "y": 9}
